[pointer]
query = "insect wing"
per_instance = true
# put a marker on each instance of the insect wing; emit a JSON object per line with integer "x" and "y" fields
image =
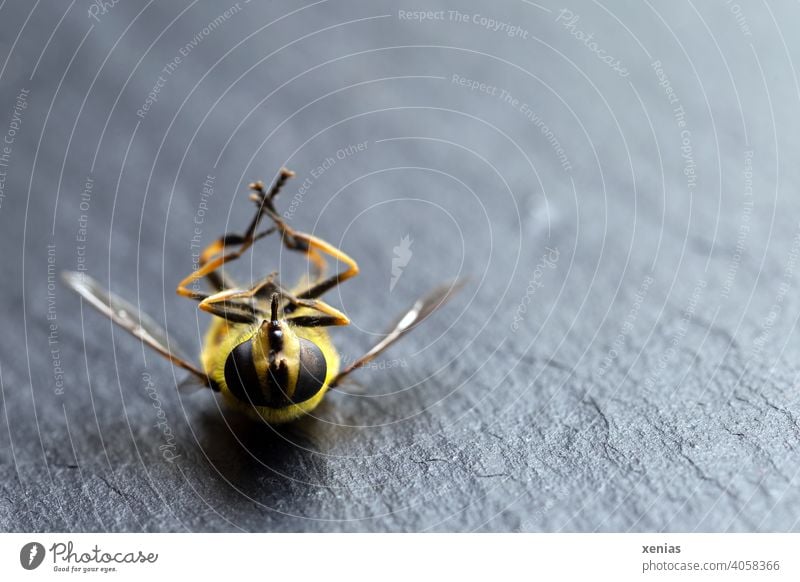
{"x": 129, "y": 318}
{"x": 421, "y": 309}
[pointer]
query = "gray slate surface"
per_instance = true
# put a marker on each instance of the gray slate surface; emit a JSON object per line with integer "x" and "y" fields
{"x": 614, "y": 404}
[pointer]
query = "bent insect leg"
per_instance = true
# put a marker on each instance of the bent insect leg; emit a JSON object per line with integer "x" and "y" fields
{"x": 242, "y": 306}
{"x": 214, "y": 255}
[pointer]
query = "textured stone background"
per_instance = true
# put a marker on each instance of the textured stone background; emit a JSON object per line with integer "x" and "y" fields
{"x": 644, "y": 380}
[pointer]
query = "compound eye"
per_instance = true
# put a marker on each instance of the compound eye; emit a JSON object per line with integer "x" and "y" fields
{"x": 241, "y": 375}
{"x": 312, "y": 372}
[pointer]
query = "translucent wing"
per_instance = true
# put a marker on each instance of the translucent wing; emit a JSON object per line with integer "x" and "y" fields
{"x": 129, "y": 318}
{"x": 421, "y": 309}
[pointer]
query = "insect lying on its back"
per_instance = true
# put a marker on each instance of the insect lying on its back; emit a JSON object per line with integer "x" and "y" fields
{"x": 267, "y": 350}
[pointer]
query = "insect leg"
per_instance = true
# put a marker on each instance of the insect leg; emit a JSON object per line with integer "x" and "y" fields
{"x": 267, "y": 287}
{"x": 218, "y": 279}
{"x": 229, "y": 305}
{"x": 332, "y": 316}
{"x": 239, "y": 306}
{"x": 315, "y": 248}
{"x": 214, "y": 256}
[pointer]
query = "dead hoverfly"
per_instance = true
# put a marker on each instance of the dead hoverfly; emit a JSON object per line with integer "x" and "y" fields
{"x": 267, "y": 350}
